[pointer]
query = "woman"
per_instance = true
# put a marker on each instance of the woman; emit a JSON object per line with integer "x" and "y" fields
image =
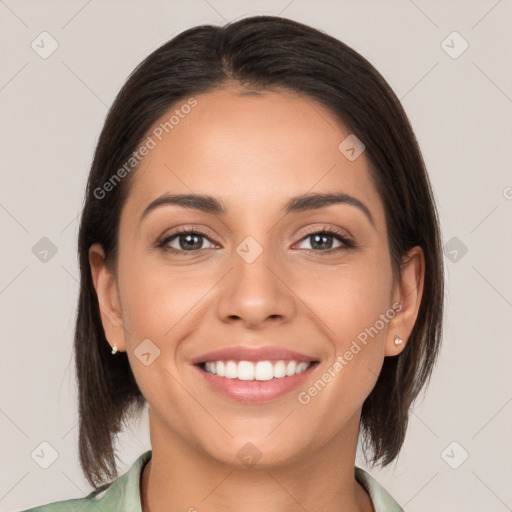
{"x": 260, "y": 264}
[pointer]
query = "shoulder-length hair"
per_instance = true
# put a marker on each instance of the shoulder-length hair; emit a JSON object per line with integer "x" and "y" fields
{"x": 260, "y": 52}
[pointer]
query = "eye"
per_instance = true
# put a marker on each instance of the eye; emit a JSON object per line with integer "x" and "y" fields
{"x": 185, "y": 240}
{"x": 191, "y": 241}
{"x": 322, "y": 241}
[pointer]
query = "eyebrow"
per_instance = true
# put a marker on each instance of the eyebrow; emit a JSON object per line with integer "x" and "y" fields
{"x": 302, "y": 203}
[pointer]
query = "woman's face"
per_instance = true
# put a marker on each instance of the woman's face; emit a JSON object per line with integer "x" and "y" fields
{"x": 259, "y": 274}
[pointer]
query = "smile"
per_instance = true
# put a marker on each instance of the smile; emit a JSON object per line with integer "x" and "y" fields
{"x": 254, "y": 382}
{"x": 260, "y": 370}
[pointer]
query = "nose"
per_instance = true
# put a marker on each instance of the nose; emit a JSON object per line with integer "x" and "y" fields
{"x": 256, "y": 293}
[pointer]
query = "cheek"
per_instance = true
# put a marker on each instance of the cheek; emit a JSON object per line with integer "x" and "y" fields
{"x": 353, "y": 304}
{"x": 348, "y": 298}
{"x": 156, "y": 302}
{"x": 161, "y": 309}
{"x": 357, "y": 332}
{"x": 155, "y": 298}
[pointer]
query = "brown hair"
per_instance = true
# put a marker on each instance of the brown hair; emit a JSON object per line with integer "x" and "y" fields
{"x": 262, "y": 52}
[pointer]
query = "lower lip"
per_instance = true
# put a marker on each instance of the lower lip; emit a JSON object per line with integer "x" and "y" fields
{"x": 256, "y": 391}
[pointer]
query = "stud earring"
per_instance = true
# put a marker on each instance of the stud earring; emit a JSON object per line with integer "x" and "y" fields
{"x": 114, "y": 349}
{"x": 398, "y": 340}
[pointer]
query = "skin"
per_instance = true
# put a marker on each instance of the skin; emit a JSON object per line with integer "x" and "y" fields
{"x": 253, "y": 153}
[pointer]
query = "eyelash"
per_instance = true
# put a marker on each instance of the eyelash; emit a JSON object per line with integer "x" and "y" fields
{"x": 347, "y": 243}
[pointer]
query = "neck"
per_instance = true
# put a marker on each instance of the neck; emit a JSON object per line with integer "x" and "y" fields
{"x": 179, "y": 477}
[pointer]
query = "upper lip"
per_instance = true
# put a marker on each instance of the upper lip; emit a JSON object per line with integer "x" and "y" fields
{"x": 245, "y": 353}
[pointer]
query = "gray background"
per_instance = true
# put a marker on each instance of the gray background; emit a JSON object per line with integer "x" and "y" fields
{"x": 52, "y": 110}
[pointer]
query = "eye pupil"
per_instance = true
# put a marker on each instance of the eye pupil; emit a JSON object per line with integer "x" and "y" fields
{"x": 319, "y": 239}
{"x": 186, "y": 240}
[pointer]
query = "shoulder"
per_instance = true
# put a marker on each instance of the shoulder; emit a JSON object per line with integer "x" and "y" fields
{"x": 121, "y": 495}
{"x": 382, "y": 500}
{"x": 85, "y": 504}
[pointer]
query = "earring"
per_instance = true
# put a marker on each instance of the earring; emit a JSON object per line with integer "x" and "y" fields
{"x": 398, "y": 340}
{"x": 114, "y": 349}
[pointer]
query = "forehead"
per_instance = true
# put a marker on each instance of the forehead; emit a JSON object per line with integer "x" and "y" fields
{"x": 258, "y": 148}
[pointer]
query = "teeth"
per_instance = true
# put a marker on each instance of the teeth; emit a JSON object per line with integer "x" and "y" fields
{"x": 261, "y": 370}
{"x": 290, "y": 368}
{"x": 279, "y": 370}
{"x": 230, "y": 370}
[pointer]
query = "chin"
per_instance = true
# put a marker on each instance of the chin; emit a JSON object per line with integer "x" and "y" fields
{"x": 258, "y": 452}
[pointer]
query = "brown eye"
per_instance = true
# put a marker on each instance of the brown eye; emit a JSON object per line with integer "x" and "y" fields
{"x": 184, "y": 241}
{"x": 322, "y": 241}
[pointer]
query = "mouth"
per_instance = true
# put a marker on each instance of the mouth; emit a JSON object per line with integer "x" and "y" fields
{"x": 254, "y": 374}
{"x": 256, "y": 370}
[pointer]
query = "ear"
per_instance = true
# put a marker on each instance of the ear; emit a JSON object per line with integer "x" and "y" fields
{"x": 108, "y": 298}
{"x": 408, "y": 292}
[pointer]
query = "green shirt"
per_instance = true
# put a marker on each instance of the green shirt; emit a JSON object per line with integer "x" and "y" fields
{"x": 123, "y": 494}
